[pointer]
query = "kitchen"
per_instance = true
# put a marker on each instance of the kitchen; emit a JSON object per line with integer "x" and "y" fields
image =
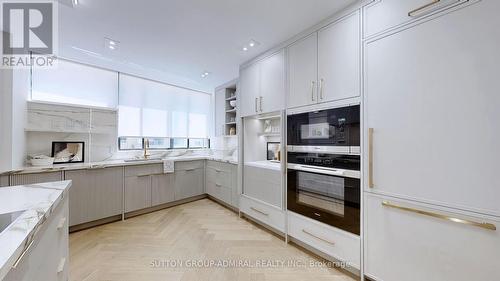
{"x": 330, "y": 140}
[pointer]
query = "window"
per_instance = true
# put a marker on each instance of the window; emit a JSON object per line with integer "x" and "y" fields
{"x": 159, "y": 143}
{"x": 199, "y": 143}
{"x": 180, "y": 143}
{"x": 130, "y": 143}
{"x": 75, "y": 83}
{"x": 162, "y": 111}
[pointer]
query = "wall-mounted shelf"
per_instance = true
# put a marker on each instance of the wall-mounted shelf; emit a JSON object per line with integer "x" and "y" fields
{"x": 231, "y": 110}
{"x": 231, "y": 98}
{"x": 269, "y": 134}
{"x": 225, "y": 114}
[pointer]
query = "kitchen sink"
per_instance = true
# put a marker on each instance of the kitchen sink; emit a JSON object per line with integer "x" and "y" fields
{"x": 8, "y": 218}
{"x": 142, "y": 159}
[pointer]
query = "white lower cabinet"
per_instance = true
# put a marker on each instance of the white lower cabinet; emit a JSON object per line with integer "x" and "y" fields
{"x": 221, "y": 182}
{"x": 22, "y": 179}
{"x": 189, "y": 179}
{"x": 4, "y": 181}
{"x": 48, "y": 257}
{"x": 336, "y": 243}
{"x": 263, "y": 212}
{"x": 406, "y": 241}
{"x": 263, "y": 184}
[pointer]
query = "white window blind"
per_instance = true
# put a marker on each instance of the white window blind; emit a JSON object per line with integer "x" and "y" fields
{"x": 74, "y": 83}
{"x": 163, "y": 110}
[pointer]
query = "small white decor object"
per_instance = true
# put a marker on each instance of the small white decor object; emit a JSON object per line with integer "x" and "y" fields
{"x": 42, "y": 160}
{"x": 268, "y": 126}
{"x": 233, "y": 103}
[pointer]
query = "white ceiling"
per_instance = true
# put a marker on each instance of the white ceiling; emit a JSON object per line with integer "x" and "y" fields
{"x": 175, "y": 41}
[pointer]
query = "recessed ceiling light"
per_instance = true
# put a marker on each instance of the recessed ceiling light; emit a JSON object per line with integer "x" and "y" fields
{"x": 111, "y": 44}
{"x": 205, "y": 74}
{"x": 245, "y": 48}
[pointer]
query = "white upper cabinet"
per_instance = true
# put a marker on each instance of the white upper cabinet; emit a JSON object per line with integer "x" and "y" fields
{"x": 431, "y": 96}
{"x": 339, "y": 59}
{"x": 381, "y": 15}
{"x": 249, "y": 89}
{"x": 303, "y": 72}
{"x": 272, "y": 83}
{"x": 220, "y": 112}
{"x": 262, "y": 85}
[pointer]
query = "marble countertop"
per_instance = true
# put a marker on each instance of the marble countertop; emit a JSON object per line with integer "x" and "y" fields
{"x": 265, "y": 164}
{"x": 116, "y": 163}
{"x": 37, "y": 202}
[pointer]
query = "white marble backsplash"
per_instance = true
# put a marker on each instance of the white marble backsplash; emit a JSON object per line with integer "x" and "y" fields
{"x": 98, "y": 128}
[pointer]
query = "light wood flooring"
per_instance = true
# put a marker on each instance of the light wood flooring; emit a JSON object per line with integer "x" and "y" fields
{"x": 146, "y": 248}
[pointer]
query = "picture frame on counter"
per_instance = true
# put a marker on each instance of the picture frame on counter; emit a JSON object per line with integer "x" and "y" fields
{"x": 68, "y": 152}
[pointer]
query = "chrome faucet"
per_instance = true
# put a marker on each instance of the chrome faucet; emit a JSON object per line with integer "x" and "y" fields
{"x": 146, "y": 146}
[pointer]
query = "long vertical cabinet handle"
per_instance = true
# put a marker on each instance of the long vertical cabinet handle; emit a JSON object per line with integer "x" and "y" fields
{"x": 312, "y": 90}
{"x": 321, "y": 82}
{"x": 256, "y": 100}
{"x": 260, "y": 104}
{"x": 370, "y": 158}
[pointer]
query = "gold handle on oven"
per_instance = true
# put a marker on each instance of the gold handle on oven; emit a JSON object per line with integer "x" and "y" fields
{"x": 413, "y": 12}
{"x": 370, "y": 158}
{"x": 317, "y": 237}
{"x": 484, "y": 225}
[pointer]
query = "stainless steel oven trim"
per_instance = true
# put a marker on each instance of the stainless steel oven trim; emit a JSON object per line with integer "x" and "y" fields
{"x": 325, "y": 171}
{"x": 320, "y": 149}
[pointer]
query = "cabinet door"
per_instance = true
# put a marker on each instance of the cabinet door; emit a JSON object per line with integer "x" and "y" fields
{"x": 220, "y": 113}
{"x": 381, "y": 15}
{"x": 339, "y": 59}
{"x": 95, "y": 194}
{"x": 137, "y": 192}
{"x": 420, "y": 247}
{"x": 162, "y": 189}
{"x": 188, "y": 183}
{"x": 22, "y": 179}
{"x": 435, "y": 113}
{"x": 263, "y": 184}
{"x": 249, "y": 90}
{"x": 235, "y": 195}
{"x": 272, "y": 83}
{"x": 303, "y": 72}
{"x": 4, "y": 181}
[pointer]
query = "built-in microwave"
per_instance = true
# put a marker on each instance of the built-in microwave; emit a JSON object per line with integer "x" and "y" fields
{"x": 338, "y": 129}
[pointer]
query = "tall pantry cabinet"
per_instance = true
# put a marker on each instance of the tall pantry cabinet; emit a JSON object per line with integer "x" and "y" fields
{"x": 432, "y": 187}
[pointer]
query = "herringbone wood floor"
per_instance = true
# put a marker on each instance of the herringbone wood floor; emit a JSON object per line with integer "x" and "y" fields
{"x": 201, "y": 231}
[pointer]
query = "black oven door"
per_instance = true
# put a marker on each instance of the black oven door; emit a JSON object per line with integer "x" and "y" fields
{"x": 334, "y": 200}
{"x": 332, "y": 127}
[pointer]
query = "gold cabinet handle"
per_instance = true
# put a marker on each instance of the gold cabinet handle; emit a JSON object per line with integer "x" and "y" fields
{"x": 317, "y": 237}
{"x": 484, "y": 225}
{"x": 62, "y": 264}
{"x": 260, "y": 103}
{"x": 413, "y": 12}
{"x": 312, "y": 90}
{"x": 370, "y": 158}
{"x": 321, "y": 82}
{"x": 259, "y": 211}
{"x": 218, "y": 185}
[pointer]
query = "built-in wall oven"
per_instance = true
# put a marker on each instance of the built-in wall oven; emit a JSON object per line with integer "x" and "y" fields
{"x": 323, "y": 181}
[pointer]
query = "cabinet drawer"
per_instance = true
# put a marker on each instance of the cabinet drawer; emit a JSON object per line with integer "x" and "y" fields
{"x": 219, "y": 177}
{"x": 427, "y": 246}
{"x": 219, "y": 166}
{"x": 219, "y": 191}
{"x": 141, "y": 170}
{"x": 263, "y": 212}
{"x": 188, "y": 165}
{"x": 336, "y": 243}
{"x": 381, "y": 15}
